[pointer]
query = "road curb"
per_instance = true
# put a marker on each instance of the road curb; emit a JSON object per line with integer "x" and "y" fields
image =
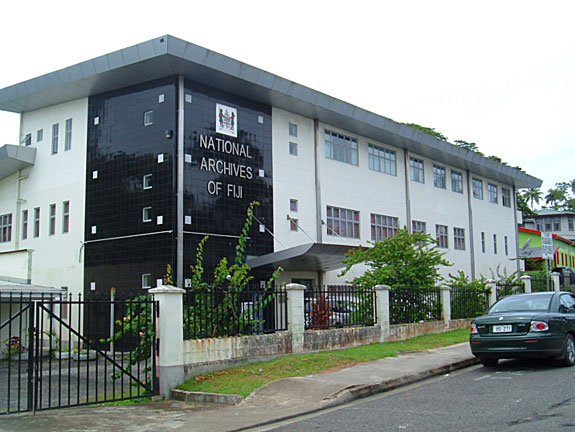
{"x": 206, "y": 398}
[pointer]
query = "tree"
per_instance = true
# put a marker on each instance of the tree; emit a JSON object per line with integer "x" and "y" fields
{"x": 427, "y": 130}
{"x": 468, "y": 146}
{"x": 404, "y": 261}
{"x": 555, "y": 197}
{"x": 522, "y": 205}
{"x": 533, "y": 195}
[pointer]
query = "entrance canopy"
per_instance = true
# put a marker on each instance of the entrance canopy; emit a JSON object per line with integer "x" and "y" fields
{"x": 14, "y": 158}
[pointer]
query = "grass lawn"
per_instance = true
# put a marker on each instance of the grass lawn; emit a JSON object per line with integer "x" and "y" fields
{"x": 245, "y": 379}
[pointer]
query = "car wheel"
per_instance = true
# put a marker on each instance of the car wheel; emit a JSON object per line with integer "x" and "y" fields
{"x": 568, "y": 356}
{"x": 489, "y": 361}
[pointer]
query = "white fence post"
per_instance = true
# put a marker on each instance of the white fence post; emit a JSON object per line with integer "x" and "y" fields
{"x": 491, "y": 286}
{"x": 296, "y": 315}
{"x": 555, "y": 278}
{"x": 382, "y": 306}
{"x": 526, "y": 279}
{"x": 170, "y": 332}
{"x": 445, "y": 298}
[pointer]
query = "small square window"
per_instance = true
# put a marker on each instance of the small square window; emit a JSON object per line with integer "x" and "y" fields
{"x": 146, "y": 280}
{"x": 159, "y": 220}
{"x": 161, "y": 158}
{"x": 188, "y": 98}
{"x": 92, "y": 286}
{"x": 94, "y": 229}
{"x": 161, "y": 98}
{"x": 292, "y": 130}
{"x": 96, "y": 120}
{"x": 293, "y": 205}
{"x": 188, "y": 220}
{"x": 293, "y": 149}
{"x": 147, "y": 181}
{"x": 146, "y": 214}
{"x": 94, "y": 175}
{"x": 148, "y": 118}
{"x": 260, "y": 119}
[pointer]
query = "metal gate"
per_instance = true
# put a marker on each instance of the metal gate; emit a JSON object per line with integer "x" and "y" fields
{"x": 59, "y": 352}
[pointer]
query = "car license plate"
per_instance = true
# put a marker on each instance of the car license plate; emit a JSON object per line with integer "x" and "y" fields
{"x": 502, "y": 328}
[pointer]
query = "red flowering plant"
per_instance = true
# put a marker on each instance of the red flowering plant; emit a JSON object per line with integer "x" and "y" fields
{"x": 13, "y": 346}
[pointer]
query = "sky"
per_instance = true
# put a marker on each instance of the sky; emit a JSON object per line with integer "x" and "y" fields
{"x": 499, "y": 73}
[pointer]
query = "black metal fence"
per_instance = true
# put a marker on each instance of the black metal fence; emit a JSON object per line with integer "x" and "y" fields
{"x": 339, "y": 306}
{"x": 224, "y": 312}
{"x": 409, "y": 305}
{"x": 505, "y": 289}
{"x": 539, "y": 284}
{"x": 468, "y": 303}
{"x": 52, "y": 357}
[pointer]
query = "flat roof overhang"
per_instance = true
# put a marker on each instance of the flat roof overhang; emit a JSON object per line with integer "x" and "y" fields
{"x": 14, "y": 158}
{"x": 25, "y": 291}
{"x": 315, "y": 257}
{"x": 167, "y": 55}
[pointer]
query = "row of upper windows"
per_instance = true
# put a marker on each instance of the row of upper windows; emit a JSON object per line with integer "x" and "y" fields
{"x": 6, "y": 222}
{"x": 553, "y": 223}
{"x": 55, "y": 139}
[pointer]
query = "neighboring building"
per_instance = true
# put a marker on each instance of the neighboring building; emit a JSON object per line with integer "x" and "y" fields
{"x": 530, "y": 248}
{"x": 127, "y": 160}
{"x": 559, "y": 222}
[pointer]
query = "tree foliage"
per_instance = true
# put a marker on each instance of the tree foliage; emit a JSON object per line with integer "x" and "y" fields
{"x": 403, "y": 261}
{"x": 427, "y": 130}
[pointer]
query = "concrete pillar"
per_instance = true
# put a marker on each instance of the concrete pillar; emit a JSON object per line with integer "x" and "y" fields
{"x": 556, "y": 281}
{"x": 490, "y": 285}
{"x": 526, "y": 279}
{"x": 296, "y": 315}
{"x": 382, "y": 307}
{"x": 170, "y": 332}
{"x": 445, "y": 297}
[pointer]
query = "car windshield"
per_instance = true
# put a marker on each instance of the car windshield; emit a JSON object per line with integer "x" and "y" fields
{"x": 522, "y": 303}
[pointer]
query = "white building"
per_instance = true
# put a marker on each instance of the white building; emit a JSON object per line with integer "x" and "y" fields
{"x": 124, "y": 162}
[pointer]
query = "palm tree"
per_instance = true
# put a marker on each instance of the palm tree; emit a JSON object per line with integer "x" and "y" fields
{"x": 554, "y": 196}
{"x": 532, "y": 195}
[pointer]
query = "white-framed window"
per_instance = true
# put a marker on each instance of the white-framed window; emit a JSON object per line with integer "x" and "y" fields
{"x": 292, "y": 129}
{"x": 477, "y": 188}
{"x": 39, "y": 135}
{"x": 5, "y": 228}
{"x": 456, "y": 181}
{"x": 459, "y": 238}
{"x": 37, "y": 222}
{"x": 147, "y": 214}
{"x": 68, "y": 136}
{"x": 382, "y": 160}
{"x": 418, "y": 227}
{"x": 492, "y": 193}
{"x": 342, "y": 222}
{"x": 55, "y": 133}
{"x": 147, "y": 181}
{"x": 442, "y": 237}
{"x": 506, "y": 245}
{"x": 383, "y": 227}
{"x": 293, "y": 205}
{"x": 341, "y": 148}
{"x": 24, "y": 224}
{"x": 439, "y": 177}
{"x": 556, "y": 223}
{"x": 483, "y": 242}
{"x": 149, "y": 118}
{"x": 293, "y": 148}
{"x": 293, "y": 224}
{"x": 570, "y": 222}
{"x": 495, "y": 244}
{"x": 416, "y": 172}
{"x": 28, "y": 140}
{"x": 52, "y": 220}
{"x": 146, "y": 280}
{"x": 506, "y": 197}
{"x": 66, "y": 217}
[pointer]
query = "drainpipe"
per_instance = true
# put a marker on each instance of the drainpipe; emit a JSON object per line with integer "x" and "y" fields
{"x": 407, "y": 192}
{"x": 515, "y": 227}
{"x": 317, "y": 156}
{"x": 471, "y": 233}
{"x": 180, "y": 186}
{"x": 18, "y": 215}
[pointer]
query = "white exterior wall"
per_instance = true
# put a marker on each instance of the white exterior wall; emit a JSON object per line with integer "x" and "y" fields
{"x": 56, "y": 259}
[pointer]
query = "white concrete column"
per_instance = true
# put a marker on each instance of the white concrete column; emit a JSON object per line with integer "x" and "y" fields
{"x": 382, "y": 306}
{"x": 490, "y": 285}
{"x": 445, "y": 297}
{"x": 296, "y": 315}
{"x": 170, "y": 332}
{"x": 555, "y": 279}
{"x": 526, "y": 279}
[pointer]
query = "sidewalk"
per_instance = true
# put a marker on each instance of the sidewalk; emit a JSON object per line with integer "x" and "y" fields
{"x": 275, "y": 401}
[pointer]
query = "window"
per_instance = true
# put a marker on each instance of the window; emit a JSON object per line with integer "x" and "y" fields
{"x": 37, "y": 222}
{"x": 506, "y": 245}
{"x": 6, "y": 228}
{"x": 439, "y": 177}
{"x": 293, "y": 224}
{"x": 382, "y": 160}
{"x": 456, "y": 181}
{"x": 341, "y": 148}
{"x": 293, "y": 205}
{"x": 416, "y": 170}
{"x": 68, "y": 136}
{"x": 570, "y": 222}
{"x": 383, "y": 227}
{"x": 28, "y": 140}
{"x": 342, "y": 222}
{"x": 492, "y": 193}
{"x": 292, "y": 130}
{"x": 495, "y": 244}
{"x": 146, "y": 214}
{"x": 149, "y": 118}
{"x": 459, "y": 238}
{"x": 55, "y": 132}
{"x": 147, "y": 280}
{"x": 556, "y": 223}
{"x": 39, "y": 135}
{"x": 293, "y": 149}
{"x": 548, "y": 223}
{"x": 483, "y": 242}
{"x": 441, "y": 236}
{"x": 24, "y": 224}
{"x": 147, "y": 181}
{"x": 477, "y": 187}
{"x": 506, "y": 197}
{"x": 52, "y": 220}
{"x": 66, "y": 217}
{"x": 418, "y": 226}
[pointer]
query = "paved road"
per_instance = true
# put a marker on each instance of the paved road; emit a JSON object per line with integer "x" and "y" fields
{"x": 516, "y": 396}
